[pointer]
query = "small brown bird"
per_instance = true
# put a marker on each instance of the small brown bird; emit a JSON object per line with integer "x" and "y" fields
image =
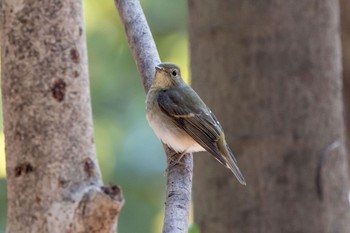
{"x": 180, "y": 119}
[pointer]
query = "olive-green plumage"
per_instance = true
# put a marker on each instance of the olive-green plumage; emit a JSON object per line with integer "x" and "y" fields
{"x": 181, "y": 119}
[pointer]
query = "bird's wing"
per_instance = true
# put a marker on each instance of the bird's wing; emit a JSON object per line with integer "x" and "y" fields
{"x": 188, "y": 112}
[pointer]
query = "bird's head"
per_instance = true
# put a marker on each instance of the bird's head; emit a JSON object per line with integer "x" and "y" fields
{"x": 167, "y": 75}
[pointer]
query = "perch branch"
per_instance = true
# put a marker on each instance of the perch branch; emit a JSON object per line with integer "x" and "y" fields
{"x": 179, "y": 177}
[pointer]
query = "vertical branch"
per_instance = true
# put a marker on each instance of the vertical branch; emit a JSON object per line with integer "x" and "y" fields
{"x": 178, "y": 197}
{"x": 179, "y": 178}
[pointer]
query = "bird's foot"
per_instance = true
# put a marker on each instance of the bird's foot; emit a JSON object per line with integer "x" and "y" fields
{"x": 176, "y": 161}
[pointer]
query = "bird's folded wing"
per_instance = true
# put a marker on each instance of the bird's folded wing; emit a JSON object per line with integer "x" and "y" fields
{"x": 189, "y": 112}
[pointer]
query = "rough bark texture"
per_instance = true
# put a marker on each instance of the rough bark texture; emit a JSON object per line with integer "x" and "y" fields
{"x": 345, "y": 31}
{"x": 179, "y": 177}
{"x": 179, "y": 191}
{"x": 271, "y": 71}
{"x": 53, "y": 178}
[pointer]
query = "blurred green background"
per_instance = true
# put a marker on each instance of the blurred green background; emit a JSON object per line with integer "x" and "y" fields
{"x": 129, "y": 153}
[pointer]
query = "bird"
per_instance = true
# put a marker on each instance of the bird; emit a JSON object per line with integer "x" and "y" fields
{"x": 182, "y": 121}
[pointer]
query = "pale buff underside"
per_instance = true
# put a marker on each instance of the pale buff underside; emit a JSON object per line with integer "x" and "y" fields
{"x": 168, "y": 132}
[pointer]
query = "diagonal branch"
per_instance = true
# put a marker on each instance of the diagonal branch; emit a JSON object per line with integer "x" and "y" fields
{"x": 179, "y": 178}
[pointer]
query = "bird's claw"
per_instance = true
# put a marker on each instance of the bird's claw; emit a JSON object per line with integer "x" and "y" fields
{"x": 177, "y": 161}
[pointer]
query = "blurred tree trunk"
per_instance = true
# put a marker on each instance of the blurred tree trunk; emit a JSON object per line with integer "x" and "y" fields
{"x": 271, "y": 70}
{"x": 345, "y": 31}
{"x": 53, "y": 178}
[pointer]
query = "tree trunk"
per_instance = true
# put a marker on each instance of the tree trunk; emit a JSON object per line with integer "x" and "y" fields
{"x": 271, "y": 71}
{"x": 345, "y": 32}
{"x": 54, "y": 182}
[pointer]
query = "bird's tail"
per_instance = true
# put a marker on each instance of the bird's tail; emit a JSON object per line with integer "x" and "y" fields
{"x": 231, "y": 161}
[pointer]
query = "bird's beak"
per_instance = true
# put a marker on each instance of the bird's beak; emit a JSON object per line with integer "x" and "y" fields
{"x": 159, "y": 68}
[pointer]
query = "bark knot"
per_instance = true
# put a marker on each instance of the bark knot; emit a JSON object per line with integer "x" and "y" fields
{"x": 74, "y": 56}
{"x": 58, "y": 90}
{"x": 23, "y": 168}
{"x": 76, "y": 74}
{"x": 114, "y": 192}
{"x": 89, "y": 167}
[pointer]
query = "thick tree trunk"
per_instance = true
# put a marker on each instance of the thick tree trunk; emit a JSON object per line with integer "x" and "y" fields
{"x": 53, "y": 178}
{"x": 271, "y": 70}
{"x": 345, "y": 31}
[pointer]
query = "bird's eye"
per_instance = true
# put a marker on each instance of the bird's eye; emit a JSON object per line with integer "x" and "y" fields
{"x": 174, "y": 73}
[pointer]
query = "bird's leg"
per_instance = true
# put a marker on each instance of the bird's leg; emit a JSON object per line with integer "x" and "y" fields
{"x": 172, "y": 162}
{"x": 178, "y": 160}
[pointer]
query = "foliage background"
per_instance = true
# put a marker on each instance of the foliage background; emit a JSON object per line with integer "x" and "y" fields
{"x": 128, "y": 151}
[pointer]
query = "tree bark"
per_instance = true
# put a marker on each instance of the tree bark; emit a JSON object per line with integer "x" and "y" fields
{"x": 271, "y": 71}
{"x": 54, "y": 182}
{"x": 345, "y": 38}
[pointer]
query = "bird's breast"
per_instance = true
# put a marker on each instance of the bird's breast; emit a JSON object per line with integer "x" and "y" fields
{"x": 168, "y": 132}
